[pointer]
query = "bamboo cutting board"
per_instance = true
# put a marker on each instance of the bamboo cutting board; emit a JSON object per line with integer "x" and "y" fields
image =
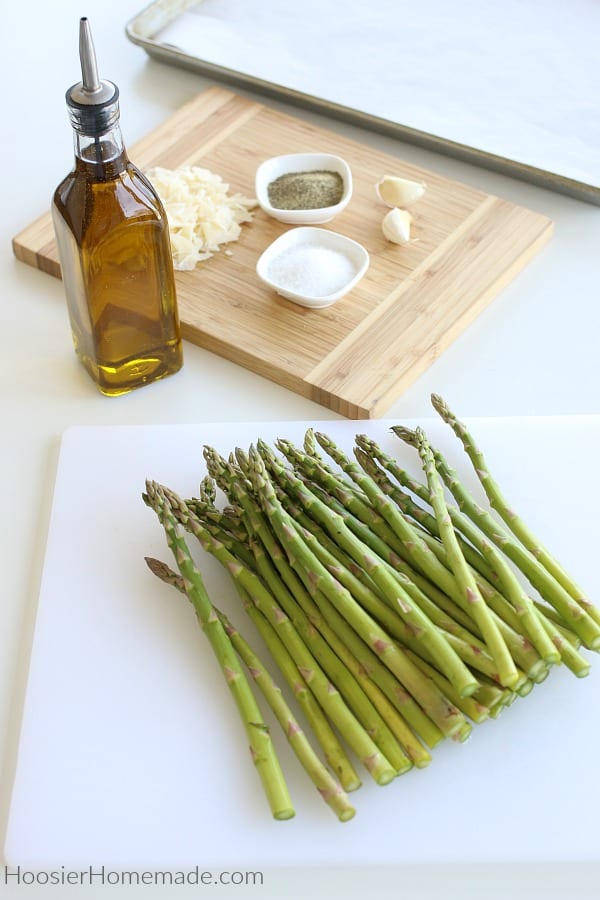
{"x": 357, "y": 356}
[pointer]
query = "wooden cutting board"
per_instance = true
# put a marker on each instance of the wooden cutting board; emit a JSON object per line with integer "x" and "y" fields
{"x": 357, "y": 356}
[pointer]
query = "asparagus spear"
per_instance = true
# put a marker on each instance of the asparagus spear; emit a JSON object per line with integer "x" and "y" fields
{"x": 361, "y": 694}
{"x": 450, "y": 581}
{"x": 327, "y": 694}
{"x": 469, "y": 648}
{"x": 208, "y": 490}
{"x": 464, "y": 577}
{"x": 348, "y": 573}
{"x": 382, "y": 607}
{"x": 404, "y": 717}
{"x": 261, "y": 745}
{"x": 526, "y": 616}
{"x": 574, "y": 615}
{"x": 316, "y": 577}
{"x": 304, "y": 581}
{"x": 335, "y": 754}
{"x": 329, "y": 789}
{"x": 533, "y": 619}
{"x": 438, "y": 606}
{"x": 354, "y": 500}
{"x": 524, "y": 654}
{"x": 470, "y": 706}
{"x": 415, "y": 619}
{"x": 512, "y": 520}
{"x": 388, "y": 696}
{"x": 348, "y": 499}
{"x": 465, "y": 524}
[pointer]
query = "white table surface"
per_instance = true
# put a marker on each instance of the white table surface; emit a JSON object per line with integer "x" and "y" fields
{"x": 535, "y": 350}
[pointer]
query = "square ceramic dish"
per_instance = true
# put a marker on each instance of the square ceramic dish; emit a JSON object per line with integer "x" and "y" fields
{"x": 312, "y": 266}
{"x": 277, "y": 166}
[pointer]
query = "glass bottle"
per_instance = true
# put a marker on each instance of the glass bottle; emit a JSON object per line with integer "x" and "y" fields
{"x": 114, "y": 249}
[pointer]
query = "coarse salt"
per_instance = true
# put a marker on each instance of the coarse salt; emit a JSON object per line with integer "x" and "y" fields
{"x": 311, "y": 270}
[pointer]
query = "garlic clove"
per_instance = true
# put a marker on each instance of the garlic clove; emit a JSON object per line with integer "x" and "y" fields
{"x": 400, "y": 192}
{"x": 396, "y": 226}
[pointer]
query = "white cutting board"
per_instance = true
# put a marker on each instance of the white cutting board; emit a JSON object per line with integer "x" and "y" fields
{"x": 131, "y": 754}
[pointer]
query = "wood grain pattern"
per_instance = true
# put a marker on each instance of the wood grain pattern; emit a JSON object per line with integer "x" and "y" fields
{"x": 357, "y": 356}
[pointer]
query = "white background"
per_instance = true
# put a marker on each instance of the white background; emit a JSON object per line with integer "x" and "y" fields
{"x": 533, "y": 351}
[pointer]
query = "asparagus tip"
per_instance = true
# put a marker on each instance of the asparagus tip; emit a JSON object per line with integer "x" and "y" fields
{"x": 405, "y": 434}
{"x": 439, "y": 404}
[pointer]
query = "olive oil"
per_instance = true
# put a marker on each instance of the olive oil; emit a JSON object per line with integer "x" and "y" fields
{"x": 114, "y": 249}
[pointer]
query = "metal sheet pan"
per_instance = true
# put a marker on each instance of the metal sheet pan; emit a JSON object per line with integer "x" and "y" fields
{"x": 147, "y": 30}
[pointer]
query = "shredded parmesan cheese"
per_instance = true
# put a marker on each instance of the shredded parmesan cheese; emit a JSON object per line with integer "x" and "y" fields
{"x": 201, "y": 214}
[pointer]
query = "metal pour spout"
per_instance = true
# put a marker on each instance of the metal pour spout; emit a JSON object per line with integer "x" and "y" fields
{"x": 87, "y": 56}
{"x": 91, "y": 90}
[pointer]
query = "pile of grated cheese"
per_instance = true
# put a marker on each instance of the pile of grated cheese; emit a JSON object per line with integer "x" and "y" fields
{"x": 201, "y": 214}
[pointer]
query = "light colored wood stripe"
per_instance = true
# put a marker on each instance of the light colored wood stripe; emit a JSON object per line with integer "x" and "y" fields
{"x": 368, "y": 323}
{"x": 36, "y": 246}
{"x": 196, "y": 130}
{"x": 381, "y": 361}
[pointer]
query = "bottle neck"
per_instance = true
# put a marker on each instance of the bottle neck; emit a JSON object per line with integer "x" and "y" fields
{"x": 101, "y": 156}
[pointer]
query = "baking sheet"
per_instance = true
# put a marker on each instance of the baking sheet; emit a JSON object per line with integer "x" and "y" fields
{"x": 512, "y": 86}
{"x": 131, "y": 754}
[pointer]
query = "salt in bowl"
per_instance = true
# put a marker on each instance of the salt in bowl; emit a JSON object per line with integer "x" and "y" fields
{"x": 313, "y": 267}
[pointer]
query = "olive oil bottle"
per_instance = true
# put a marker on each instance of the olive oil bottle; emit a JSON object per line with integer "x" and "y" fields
{"x": 114, "y": 249}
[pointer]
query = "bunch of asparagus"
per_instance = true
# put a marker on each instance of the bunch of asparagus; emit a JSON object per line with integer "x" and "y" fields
{"x": 398, "y": 611}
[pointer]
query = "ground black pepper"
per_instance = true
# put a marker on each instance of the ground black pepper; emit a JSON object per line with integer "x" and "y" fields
{"x": 306, "y": 190}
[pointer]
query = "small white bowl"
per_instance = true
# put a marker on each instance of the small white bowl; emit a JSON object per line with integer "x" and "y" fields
{"x": 272, "y": 168}
{"x": 313, "y": 267}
